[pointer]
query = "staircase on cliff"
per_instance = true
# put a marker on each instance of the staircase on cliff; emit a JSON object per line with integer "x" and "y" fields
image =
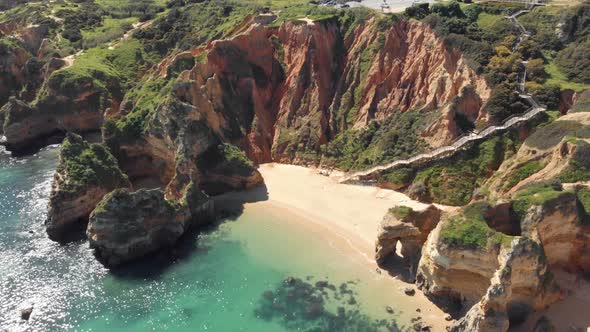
{"x": 464, "y": 141}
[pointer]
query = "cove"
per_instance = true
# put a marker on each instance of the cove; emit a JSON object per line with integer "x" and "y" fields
{"x": 263, "y": 270}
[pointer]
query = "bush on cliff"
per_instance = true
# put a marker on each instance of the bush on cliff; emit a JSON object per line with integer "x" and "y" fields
{"x": 84, "y": 165}
{"x": 535, "y": 194}
{"x": 522, "y": 173}
{"x": 453, "y": 181}
{"x": 226, "y": 159}
{"x": 469, "y": 230}
{"x": 394, "y": 138}
{"x": 574, "y": 61}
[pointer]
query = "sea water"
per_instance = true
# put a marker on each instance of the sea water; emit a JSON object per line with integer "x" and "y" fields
{"x": 262, "y": 271}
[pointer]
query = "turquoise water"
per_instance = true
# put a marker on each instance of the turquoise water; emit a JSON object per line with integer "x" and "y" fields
{"x": 232, "y": 277}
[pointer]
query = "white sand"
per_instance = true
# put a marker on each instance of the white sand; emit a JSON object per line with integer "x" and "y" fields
{"x": 355, "y": 209}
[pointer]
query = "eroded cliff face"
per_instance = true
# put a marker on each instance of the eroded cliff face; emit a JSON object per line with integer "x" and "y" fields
{"x": 77, "y": 107}
{"x": 86, "y": 172}
{"x": 499, "y": 282}
{"x": 128, "y": 225}
{"x": 278, "y": 94}
{"x": 336, "y": 82}
{"x": 408, "y": 227}
{"x": 562, "y": 230}
{"x": 454, "y": 276}
{"x": 522, "y": 284}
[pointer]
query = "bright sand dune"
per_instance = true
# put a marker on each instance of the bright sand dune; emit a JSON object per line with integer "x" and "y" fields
{"x": 347, "y": 216}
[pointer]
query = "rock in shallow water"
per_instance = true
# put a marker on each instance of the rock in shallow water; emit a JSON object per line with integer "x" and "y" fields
{"x": 25, "y": 313}
{"x": 127, "y": 225}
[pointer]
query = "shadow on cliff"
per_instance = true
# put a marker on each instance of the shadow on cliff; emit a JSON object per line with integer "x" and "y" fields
{"x": 228, "y": 208}
{"x": 396, "y": 267}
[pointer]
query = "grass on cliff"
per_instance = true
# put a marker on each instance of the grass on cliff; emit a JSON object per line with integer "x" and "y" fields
{"x": 469, "y": 230}
{"x": 226, "y": 159}
{"x": 584, "y": 199}
{"x": 579, "y": 166}
{"x": 147, "y": 97}
{"x": 109, "y": 71}
{"x": 453, "y": 181}
{"x": 582, "y": 103}
{"x": 552, "y": 134}
{"x": 556, "y": 77}
{"x": 88, "y": 165}
{"x": 400, "y": 212}
{"x": 535, "y": 194}
{"x": 380, "y": 142}
{"x": 111, "y": 29}
{"x": 522, "y": 173}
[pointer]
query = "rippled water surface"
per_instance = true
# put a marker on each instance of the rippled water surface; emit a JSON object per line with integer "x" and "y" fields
{"x": 229, "y": 278}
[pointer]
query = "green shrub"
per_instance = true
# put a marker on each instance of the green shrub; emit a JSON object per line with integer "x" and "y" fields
{"x": 226, "y": 159}
{"x": 522, "y": 173}
{"x": 401, "y": 212}
{"x": 453, "y": 181}
{"x": 574, "y": 61}
{"x": 535, "y": 194}
{"x": 394, "y": 138}
{"x": 469, "y": 230}
{"x": 582, "y": 103}
{"x": 549, "y": 136}
{"x": 87, "y": 165}
{"x": 400, "y": 176}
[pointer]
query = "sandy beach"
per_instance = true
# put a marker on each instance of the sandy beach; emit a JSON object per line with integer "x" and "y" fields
{"x": 348, "y": 217}
{"x": 355, "y": 209}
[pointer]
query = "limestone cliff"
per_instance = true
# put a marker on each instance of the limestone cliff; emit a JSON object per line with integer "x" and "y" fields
{"x": 410, "y": 228}
{"x": 455, "y": 276}
{"x": 281, "y": 94}
{"x": 563, "y": 231}
{"x": 128, "y": 225}
{"x": 86, "y": 172}
{"x": 554, "y": 151}
{"x": 64, "y": 105}
{"x": 522, "y": 284}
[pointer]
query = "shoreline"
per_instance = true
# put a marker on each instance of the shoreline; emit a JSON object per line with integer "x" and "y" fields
{"x": 347, "y": 217}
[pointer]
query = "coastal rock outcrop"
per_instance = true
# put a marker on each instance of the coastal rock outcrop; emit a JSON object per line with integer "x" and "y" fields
{"x": 226, "y": 168}
{"x": 86, "y": 172}
{"x": 410, "y": 228}
{"x": 522, "y": 284}
{"x": 12, "y": 61}
{"x": 66, "y": 104}
{"x": 455, "y": 276}
{"x": 563, "y": 231}
{"x": 128, "y": 225}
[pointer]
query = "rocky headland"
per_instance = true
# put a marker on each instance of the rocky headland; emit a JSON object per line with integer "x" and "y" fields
{"x": 189, "y": 103}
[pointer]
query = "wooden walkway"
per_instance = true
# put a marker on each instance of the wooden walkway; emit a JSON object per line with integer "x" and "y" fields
{"x": 465, "y": 141}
